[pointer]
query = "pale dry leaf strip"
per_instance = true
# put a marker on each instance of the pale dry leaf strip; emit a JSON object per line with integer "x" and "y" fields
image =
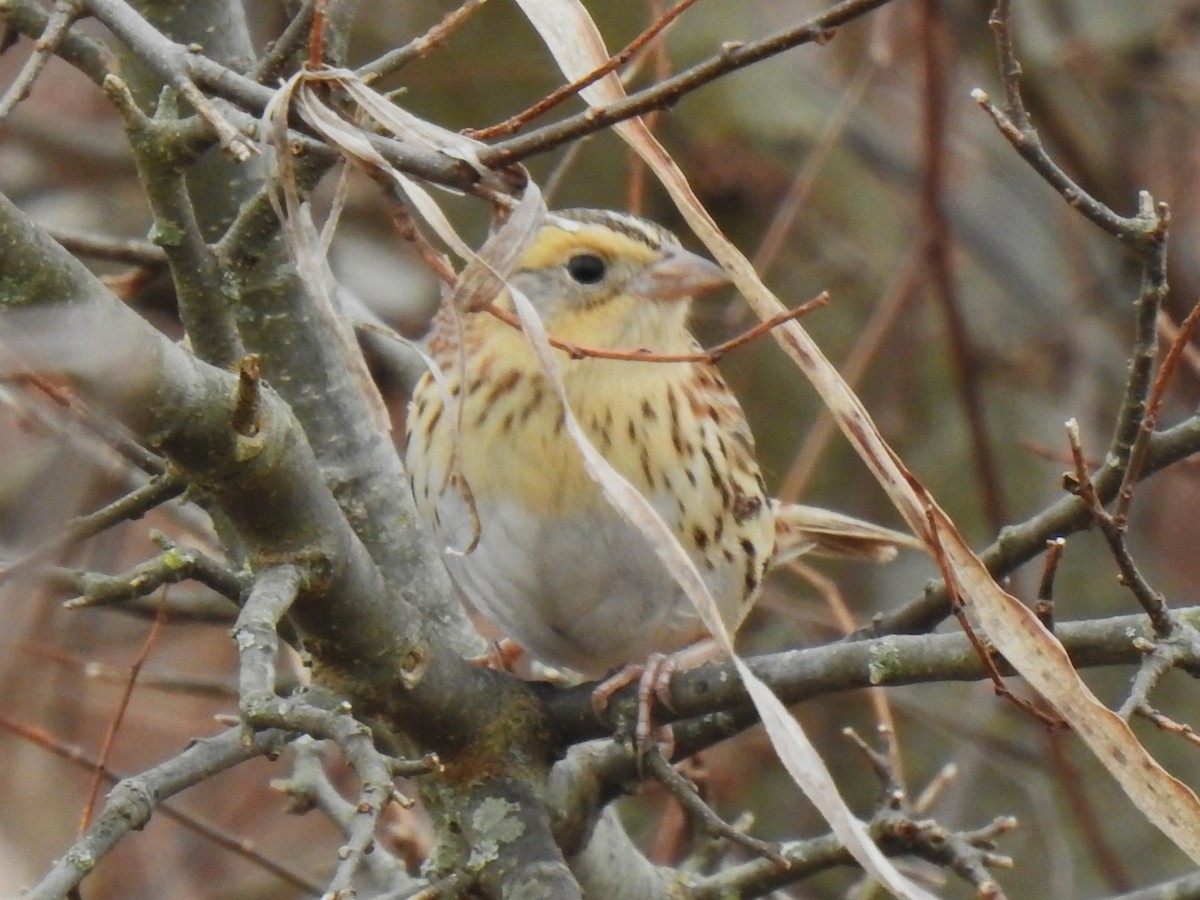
{"x": 576, "y": 45}
{"x": 308, "y": 247}
{"x": 353, "y": 142}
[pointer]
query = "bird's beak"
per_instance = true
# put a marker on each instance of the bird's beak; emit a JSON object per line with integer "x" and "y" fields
{"x": 678, "y": 275}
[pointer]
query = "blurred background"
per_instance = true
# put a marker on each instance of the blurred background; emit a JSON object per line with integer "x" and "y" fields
{"x": 976, "y": 309}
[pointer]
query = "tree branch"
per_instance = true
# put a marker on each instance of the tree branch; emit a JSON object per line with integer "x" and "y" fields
{"x": 709, "y": 703}
{"x": 131, "y": 803}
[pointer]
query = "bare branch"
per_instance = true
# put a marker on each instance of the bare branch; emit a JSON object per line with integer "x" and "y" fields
{"x": 175, "y": 565}
{"x": 395, "y": 60}
{"x": 131, "y": 803}
{"x": 132, "y": 506}
{"x": 62, "y": 17}
{"x": 800, "y": 675}
{"x": 732, "y": 56}
{"x": 167, "y": 60}
{"x": 554, "y": 98}
{"x": 1020, "y": 543}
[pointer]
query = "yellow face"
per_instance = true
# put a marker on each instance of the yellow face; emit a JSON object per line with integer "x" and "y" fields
{"x": 612, "y": 281}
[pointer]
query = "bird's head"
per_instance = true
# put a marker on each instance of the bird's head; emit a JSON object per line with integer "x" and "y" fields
{"x": 609, "y": 279}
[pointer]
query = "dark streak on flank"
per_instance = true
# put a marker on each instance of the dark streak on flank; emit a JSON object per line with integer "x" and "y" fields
{"x": 503, "y": 385}
{"x": 752, "y": 576}
{"x": 676, "y": 431}
{"x": 433, "y": 419}
{"x": 534, "y": 402}
{"x": 717, "y": 481}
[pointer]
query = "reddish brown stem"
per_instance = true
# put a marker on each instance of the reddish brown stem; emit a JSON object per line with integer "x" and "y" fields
{"x": 578, "y": 351}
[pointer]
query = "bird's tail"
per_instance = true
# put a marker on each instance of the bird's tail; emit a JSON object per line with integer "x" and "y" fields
{"x": 810, "y": 529}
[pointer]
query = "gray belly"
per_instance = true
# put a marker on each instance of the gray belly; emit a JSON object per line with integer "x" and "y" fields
{"x": 585, "y": 593}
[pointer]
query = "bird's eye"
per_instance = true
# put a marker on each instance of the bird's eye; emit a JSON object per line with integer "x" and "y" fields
{"x": 586, "y": 268}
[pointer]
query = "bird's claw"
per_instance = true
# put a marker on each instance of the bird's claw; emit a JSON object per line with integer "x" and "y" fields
{"x": 653, "y": 684}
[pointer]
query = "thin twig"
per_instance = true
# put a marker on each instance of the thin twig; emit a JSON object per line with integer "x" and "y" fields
{"x": 177, "y": 563}
{"x": 732, "y": 56}
{"x": 166, "y": 58}
{"x": 578, "y": 351}
{"x": 958, "y": 608}
{"x": 798, "y": 192}
{"x": 1044, "y": 607}
{"x": 434, "y": 259}
{"x": 836, "y": 603}
{"x": 133, "y": 505}
{"x": 901, "y": 292}
{"x": 118, "y": 716}
{"x": 554, "y": 98}
{"x": 103, "y": 427}
{"x": 1169, "y": 725}
{"x": 1000, "y": 22}
{"x": 685, "y": 793}
{"x": 1168, "y": 333}
{"x": 62, "y": 17}
{"x": 1166, "y": 371}
{"x": 663, "y": 69}
{"x": 309, "y": 787}
{"x": 1113, "y": 529}
{"x": 316, "y": 36}
{"x": 283, "y": 49}
{"x": 939, "y": 247}
{"x": 134, "y": 798}
{"x": 434, "y": 37}
{"x": 204, "y": 307}
{"x": 128, "y": 250}
{"x": 1025, "y": 140}
{"x": 257, "y": 639}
